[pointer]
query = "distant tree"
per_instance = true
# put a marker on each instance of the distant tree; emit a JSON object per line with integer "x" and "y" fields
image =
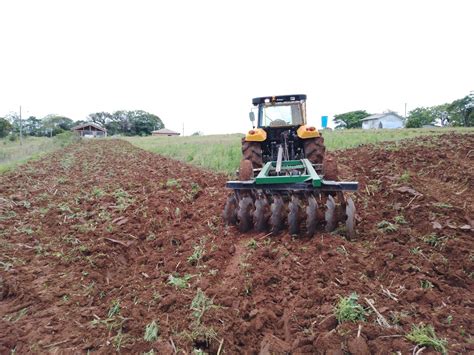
{"x": 5, "y": 127}
{"x": 351, "y": 119}
{"x": 461, "y": 112}
{"x": 33, "y": 126}
{"x": 420, "y": 116}
{"x": 133, "y": 123}
{"x": 54, "y": 124}
{"x": 101, "y": 118}
{"x": 198, "y": 133}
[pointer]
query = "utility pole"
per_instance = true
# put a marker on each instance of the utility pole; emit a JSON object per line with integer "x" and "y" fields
{"x": 405, "y": 110}
{"x": 21, "y": 129}
{"x": 183, "y": 129}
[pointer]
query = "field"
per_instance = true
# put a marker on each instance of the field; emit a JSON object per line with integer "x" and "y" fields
{"x": 13, "y": 153}
{"x": 222, "y": 152}
{"x": 105, "y": 247}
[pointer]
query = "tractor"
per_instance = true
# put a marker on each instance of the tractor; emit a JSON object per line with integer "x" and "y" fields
{"x": 284, "y": 178}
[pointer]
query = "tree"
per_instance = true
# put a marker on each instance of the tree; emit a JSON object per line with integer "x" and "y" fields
{"x": 54, "y": 124}
{"x": 133, "y": 123}
{"x": 351, "y": 119}
{"x": 5, "y": 127}
{"x": 101, "y": 118}
{"x": 420, "y": 116}
{"x": 33, "y": 126}
{"x": 461, "y": 112}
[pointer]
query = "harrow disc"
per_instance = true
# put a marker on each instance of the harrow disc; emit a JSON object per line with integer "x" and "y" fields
{"x": 330, "y": 214}
{"x": 244, "y": 214}
{"x": 277, "y": 218}
{"x": 261, "y": 213}
{"x": 293, "y": 215}
{"x": 230, "y": 210}
{"x": 311, "y": 216}
{"x": 350, "y": 221}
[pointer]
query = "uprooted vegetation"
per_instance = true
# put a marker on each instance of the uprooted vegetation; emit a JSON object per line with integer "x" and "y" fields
{"x": 104, "y": 247}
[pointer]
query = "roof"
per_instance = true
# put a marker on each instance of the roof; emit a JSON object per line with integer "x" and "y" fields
{"x": 84, "y": 125}
{"x": 382, "y": 115}
{"x": 165, "y": 131}
{"x": 272, "y": 99}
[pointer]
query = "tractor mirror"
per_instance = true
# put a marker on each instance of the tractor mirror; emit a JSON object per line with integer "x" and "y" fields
{"x": 251, "y": 116}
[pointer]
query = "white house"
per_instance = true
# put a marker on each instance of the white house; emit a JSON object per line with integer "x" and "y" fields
{"x": 383, "y": 120}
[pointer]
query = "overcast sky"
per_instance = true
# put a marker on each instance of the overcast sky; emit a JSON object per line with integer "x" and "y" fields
{"x": 201, "y": 62}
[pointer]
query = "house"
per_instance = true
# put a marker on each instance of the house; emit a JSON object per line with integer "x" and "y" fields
{"x": 90, "y": 130}
{"x": 383, "y": 120}
{"x": 164, "y": 132}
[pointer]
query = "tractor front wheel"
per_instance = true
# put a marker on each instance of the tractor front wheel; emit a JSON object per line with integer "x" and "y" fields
{"x": 252, "y": 151}
{"x": 314, "y": 150}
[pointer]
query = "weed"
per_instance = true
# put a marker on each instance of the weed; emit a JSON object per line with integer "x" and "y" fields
{"x": 179, "y": 282}
{"x": 114, "y": 309}
{"x": 387, "y": 227}
{"x": 442, "y": 205}
{"x": 97, "y": 192}
{"x": 347, "y": 309}
{"x": 200, "y": 304}
{"x": 198, "y": 253}
{"x": 433, "y": 240}
{"x": 416, "y": 251}
{"x": 448, "y": 320}
{"x": 172, "y": 183}
{"x": 400, "y": 219}
{"x": 151, "y": 332}
{"x": 252, "y": 244}
{"x": 342, "y": 250}
{"x": 425, "y": 336}
{"x": 405, "y": 177}
{"x": 426, "y": 284}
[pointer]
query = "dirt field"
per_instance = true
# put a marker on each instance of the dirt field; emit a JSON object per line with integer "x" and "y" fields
{"x": 90, "y": 235}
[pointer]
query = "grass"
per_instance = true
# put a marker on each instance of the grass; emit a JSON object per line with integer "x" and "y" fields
{"x": 152, "y": 331}
{"x": 222, "y": 152}
{"x": 348, "y": 309}
{"x": 425, "y": 336}
{"x": 13, "y": 154}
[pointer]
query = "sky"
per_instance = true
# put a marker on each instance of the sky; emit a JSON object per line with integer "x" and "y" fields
{"x": 199, "y": 63}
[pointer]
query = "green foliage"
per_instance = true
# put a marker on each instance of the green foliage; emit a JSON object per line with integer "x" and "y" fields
{"x": 114, "y": 309}
{"x": 5, "y": 127}
{"x": 387, "y": 227}
{"x": 421, "y": 116}
{"x": 152, "y": 331}
{"x": 129, "y": 123}
{"x": 200, "y": 304}
{"x": 351, "y": 119}
{"x": 425, "y": 336}
{"x": 348, "y": 309}
{"x": 198, "y": 252}
{"x": 179, "y": 282}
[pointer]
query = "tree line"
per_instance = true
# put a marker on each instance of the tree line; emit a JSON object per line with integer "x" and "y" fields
{"x": 128, "y": 123}
{"x": 459, "y": 113}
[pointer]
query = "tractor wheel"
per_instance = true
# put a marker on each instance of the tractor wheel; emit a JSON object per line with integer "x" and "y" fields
{"x": 245, "y": 170}
{"x": 314, "y": 150}
{"x": 252, "y": 151}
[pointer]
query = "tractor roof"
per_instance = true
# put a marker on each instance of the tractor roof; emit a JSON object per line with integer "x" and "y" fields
{"x": 282, "y": 98}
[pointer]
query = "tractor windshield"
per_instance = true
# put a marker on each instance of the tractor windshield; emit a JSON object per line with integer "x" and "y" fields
{"x": 284, "y": 114}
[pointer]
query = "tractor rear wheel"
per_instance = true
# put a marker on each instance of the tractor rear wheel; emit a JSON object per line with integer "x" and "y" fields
{"x": 314, "y": 150}
{"x": 252, "y": 151}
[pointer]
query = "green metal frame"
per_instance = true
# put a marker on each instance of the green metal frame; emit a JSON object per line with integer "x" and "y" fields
{"x": 309, "y": 174}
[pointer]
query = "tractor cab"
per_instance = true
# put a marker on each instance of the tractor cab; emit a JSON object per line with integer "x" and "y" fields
{"x": 280, "y": 111}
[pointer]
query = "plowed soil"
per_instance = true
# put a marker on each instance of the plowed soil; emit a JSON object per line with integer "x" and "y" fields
{"x": 90, "y": 235}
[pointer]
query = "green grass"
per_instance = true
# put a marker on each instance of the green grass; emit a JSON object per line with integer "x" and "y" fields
{"x": 222, "y": 152}
{"x": 13, "y": 154}
{"x": 425, "y": 336}
{"x": 348, "y": 309}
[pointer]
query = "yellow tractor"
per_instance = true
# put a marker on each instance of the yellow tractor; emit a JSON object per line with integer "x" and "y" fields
{"x": 284, "y": 178}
